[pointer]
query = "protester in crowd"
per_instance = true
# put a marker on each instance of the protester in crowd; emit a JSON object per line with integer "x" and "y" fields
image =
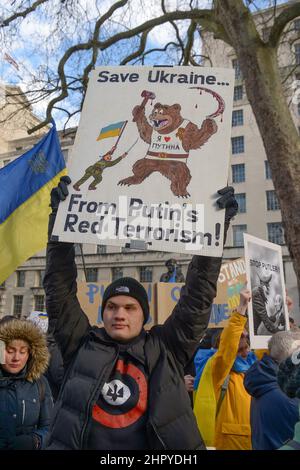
{"x": 124, "y": 387}
{"x": 25, "y": 397}
{"x": 222, "y": 405}
{"x": 174, "y": 273}
{"x": 206, "y": 343}
{"x": 55, "y": 369}
{"x": 289, "y": 381}
{"x": 273, "y": 415}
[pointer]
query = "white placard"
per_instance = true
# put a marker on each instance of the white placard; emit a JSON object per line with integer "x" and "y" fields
{"x": 267, "y": 310}
{"x": 150, "y": 153}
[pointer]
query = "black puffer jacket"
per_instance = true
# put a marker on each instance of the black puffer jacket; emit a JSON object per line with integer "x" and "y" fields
{"x": 89, "y": 355}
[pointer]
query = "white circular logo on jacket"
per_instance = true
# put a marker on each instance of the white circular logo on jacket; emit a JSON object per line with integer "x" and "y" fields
{"x": 115, "y": 392}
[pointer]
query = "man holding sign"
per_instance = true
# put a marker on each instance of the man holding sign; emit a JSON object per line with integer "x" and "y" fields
{"x": 123, "y": 382}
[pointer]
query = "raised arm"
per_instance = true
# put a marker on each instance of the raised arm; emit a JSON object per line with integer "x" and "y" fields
{"x": 183, "y": 329}
{"x": 67, "y": 321}
{"x": 224, "y": 358}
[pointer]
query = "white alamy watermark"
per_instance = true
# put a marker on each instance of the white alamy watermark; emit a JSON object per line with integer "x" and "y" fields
{"x": 134, "y": 219}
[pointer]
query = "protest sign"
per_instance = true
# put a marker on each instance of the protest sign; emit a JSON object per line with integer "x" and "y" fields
{"x": 167, "y": 296}
{"x": 232, "y": 279}
{"x": 150, "y": 153}
{"x": 90, "y": 296}
{"x": 267, "y": 310}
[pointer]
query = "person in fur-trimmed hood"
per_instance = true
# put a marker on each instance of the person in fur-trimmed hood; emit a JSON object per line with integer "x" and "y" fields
{"x": 25, "y": 397}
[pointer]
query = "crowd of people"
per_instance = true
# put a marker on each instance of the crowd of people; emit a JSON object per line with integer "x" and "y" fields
{"x": 120, "y": 387}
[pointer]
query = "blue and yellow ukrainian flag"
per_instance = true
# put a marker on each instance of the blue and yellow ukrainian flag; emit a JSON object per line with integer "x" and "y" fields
{"x": 113, "y": 130}
{"x": 25, "y": 186}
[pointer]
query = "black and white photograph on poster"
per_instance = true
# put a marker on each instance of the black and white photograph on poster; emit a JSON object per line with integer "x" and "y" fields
{"x": 151, "y": 151}
{"x": 267, "y": 310}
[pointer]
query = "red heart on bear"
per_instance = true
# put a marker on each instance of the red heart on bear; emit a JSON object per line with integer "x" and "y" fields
{"x": 167, "y": 139}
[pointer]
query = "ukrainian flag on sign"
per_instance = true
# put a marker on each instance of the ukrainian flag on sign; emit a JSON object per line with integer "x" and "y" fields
{"x": 25, "y": 186}
{"x": 113, "y": 130}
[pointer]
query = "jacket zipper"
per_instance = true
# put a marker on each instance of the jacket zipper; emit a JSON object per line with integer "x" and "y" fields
{"x": 158, "y": 436}
{"x": 103, "y": 378}
{"x": 23, "y": 411}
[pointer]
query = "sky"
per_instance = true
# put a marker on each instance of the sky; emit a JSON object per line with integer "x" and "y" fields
{"x": 37, "y": 42}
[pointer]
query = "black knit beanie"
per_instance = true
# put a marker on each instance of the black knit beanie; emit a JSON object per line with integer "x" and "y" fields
{"x": 130, "y": 287}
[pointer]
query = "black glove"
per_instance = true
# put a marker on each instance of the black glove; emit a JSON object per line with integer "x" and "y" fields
{"x": 59, "y": 193}
{"x": 228, "y": 202}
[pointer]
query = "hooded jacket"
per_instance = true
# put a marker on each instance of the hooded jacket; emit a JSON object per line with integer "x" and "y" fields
{"x": 229, "y": 429}
{"x": 273, "y": 414}
{"x": 289, "y": 381}
{"x": 24, "y": 416}
{"x": 89, "y": 355}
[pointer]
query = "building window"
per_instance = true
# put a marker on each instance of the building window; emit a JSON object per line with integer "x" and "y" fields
{"x": 297, "y": 25}
{"x": 272, "y": 201}
{"x": 298, "y": 106}
{"x": 238, "y": 230}
{"x": 91, "y": 274}
{"x": 297, "y": 54}
{"x": 275, "y": 233}
{"x": 39, "y": 303}
{"x": 18, "y": 302}
{"x": 238, "y": 173}
{"x": 117, "y": 273}
{"x": 237, "y": 145}
{"x": 20, "y": 278}
{"x": 101, "y": 249}
{"x": 238, "y": 93}
{"x": 237, "y": 69}
{"x": 146, "y": 274}
{"x": 268, "y": 170}
{"x": 41, "y": 275}
{"x": 237, "y": 118}
{"x": 241, "y": 200}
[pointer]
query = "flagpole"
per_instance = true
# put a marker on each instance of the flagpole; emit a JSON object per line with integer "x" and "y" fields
{"x": 125, "y": 124}
{"x": 83, "y": 262}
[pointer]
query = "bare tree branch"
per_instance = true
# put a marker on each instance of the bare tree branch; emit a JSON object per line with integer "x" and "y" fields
{"x": 190, "y": 42}
{"x": 180, "y": 42}
{"x": 281, "y": 21}
{"x": 102, "y": 45}
{"x": 157, "y": 49}
{"x": 139, "y": 51}
{"x": 22, "y": 13}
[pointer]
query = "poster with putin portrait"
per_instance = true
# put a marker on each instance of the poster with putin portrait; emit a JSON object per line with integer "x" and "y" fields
{"x": 267, "y": 310}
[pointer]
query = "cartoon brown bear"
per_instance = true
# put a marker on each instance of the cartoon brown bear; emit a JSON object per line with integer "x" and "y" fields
{"x": 170, "y": 138}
